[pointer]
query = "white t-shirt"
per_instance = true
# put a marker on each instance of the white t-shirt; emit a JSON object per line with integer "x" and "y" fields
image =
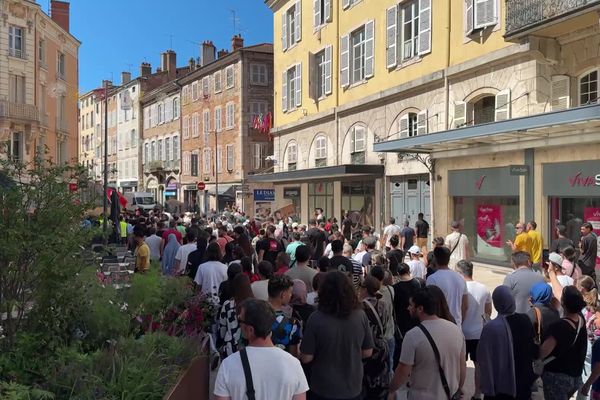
{"x": 275, "y": 373}
{"x": 390, "y": 231}
{"x": 182, "y": 255}
{"x": 461, "y": 250}
{"x": 479, "y": 296}
{"x": 311, "y": 298}
{"x": 417, "y": 269}
{"x": 425, "y": 382}
{"x": 260, "y": 289}
{"x": 209, "y": 277}
{"x": 328, "y": 253}
{"x": 565, "y": 280}
{"x": 454, "y": 287}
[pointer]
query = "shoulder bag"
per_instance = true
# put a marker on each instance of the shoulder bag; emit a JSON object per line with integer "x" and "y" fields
{"x": 458, "y": 394}
{"x": 247, "y": 374}
{"x": 539, "y": 364}
{"x": 457, "y": 243}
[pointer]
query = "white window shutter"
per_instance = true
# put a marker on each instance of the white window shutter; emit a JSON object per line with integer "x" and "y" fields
{"x": 369, "y": 49}
{"x": 404, "y": 126}
{"x": 560, "y": 97}
{"x": 424, "y": 27}
{"x": 422, "y": 123}
{"x": 469, "y": 16}
{"x": 460, "y": 114}
{"x": 298, "y": 19}
{"x": 313, "y": 79}
{"x": 284, "y": 85}
{"x": 345, "y": 4}
{"x": 168, "y": 111}
{"x": 328, "y": 64}
{"x": 327, "y": 11}
{"x": 485, "y": 13}
{"x": 284, "y": 31}
{"x": 298, "y": 85}
{"x": 391, "y": 17}
{"x": 502, "y": 105}
{"x": 317, "y": 12}
{"x": 345, "y": 61}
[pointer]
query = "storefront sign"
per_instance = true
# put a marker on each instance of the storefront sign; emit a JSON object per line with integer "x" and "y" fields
{"x": 264, "y": 195}
{"x": 581, "y": 178}
{"x": 172, "y": 186}
{"x": 592, "y": 215}
{"x": 483, "y": 182}
{"x": 517, "y": 170}
{"x": 190, "y": 187}
{"x": 291, "y": 193}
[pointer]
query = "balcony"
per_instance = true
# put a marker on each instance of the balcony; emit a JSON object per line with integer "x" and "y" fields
{"x": 565, "y": 16}
{"x": 24, "y": 112}
{"x": 62, "y": 125}
{"x": 17, "y": 53}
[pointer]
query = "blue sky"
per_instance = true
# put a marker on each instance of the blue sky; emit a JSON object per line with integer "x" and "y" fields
{"x": 117, "y": 35}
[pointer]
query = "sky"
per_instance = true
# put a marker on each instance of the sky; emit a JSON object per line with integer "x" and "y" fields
{"x": 118, "y": 35}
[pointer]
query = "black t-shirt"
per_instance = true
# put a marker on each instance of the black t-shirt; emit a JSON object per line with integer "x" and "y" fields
{"x": 395, "y": 257}
{"x": 340, "y": 263}
{"x": 317, "y": 239}
{"x": 422, "y": 228}
{"x": 409, "y": 237}
{"x": 589, "y": 247}
{"x": 559, "y": 244}
{"x": 271, "y": 247}
{"x": 570, "y": 355}
{"x": 549, "y": 316}
{"x": 403, "y": 291}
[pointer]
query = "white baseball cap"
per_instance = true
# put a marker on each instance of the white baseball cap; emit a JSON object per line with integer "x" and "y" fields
{"x": 555, "y": 258}
{"x": 415, "y": 250}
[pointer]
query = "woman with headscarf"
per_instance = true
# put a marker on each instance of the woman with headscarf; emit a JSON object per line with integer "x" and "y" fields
{"x": 542, "y": 313}
{"x": 506, "y": 351}
{"x": 168, "y": 257}
{"x": 300, "y": 309}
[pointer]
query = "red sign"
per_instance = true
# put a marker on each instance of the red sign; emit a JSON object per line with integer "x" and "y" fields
{"x": 200, "y": 185}
{"x": 72, "y": 187}
{"x": 489, "y": 222}
{"x": 592, "y": 215}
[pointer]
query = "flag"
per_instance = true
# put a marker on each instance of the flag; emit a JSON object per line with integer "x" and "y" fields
{"x": 122, "y": 200}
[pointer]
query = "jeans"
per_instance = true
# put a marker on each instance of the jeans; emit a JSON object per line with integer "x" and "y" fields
{"x": 391, "y": 347}
{"x": 587, "y": 369}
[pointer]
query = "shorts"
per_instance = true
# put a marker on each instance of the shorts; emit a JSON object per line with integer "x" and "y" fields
{"x": 422, "y": 242}
{"x": 471, "y": 345}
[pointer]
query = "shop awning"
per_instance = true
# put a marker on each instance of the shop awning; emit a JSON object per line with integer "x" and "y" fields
{"x": 225, "y": 189}
{"x": 338, "y": 171}
{"x": 572, "y": 126}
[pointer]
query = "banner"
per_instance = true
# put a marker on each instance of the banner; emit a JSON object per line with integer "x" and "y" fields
{"x": 489, "y": 221}
{"x": 592, "y": 215}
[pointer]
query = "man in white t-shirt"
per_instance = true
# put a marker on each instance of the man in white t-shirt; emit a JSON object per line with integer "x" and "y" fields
{"x": 275, "y": 373}
{"x": 451, "y": 283}
{"x": 417, "y": 267}
{"x": 458, "y": 243}
{"x": 211, "y": 273}
{"x": 389, "y": 231}
{"x": 479, "y": 310}
{"x": 183, "y": 252}
{"x": 418, "y": 362}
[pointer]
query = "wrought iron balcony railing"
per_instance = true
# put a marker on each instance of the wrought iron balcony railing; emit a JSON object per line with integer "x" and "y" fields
{"x": 522, "y": 15}
{"x": 26, "y": 112}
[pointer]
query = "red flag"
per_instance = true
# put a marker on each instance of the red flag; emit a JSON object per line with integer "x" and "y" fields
{"x": 122, "y": 200}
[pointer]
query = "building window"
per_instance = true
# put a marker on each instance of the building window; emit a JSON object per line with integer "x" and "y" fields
{"x": 217, "y": 82}
{"x": 61, "y": 67}
{"x": 259, "y": 155}
{"x": 159, "y": 151}
{"x": 480, "y": 14}
{"x": 230, "y": 159}
{"x": 359, "y": 145}
{"x": 321, "y": 151}
{"x": 17, "y": 89}
{"x": 219, "y": 159}
{"x": 195, "y": 91}
{"x": 484, "y": 110}
{"x": 186, "y": 127}
{"x": 408, "y": 31}
{"x": 160, "y": 114}
{"x": 205, "y": 86}
{"x": 292, "y": 88}
{"x": 320, "y": 195}
{"x": 323, "y": 66}
{"x": 167, "y": 149}
{"x": 218, "y": 119}
{"x": 207, "y": 160}
{"x": 230, "y": 116}
{"x": 176, "y": 108}
{"x": 229, "y": 77}
{"x": 408, "y": 125}
{"x": 358, "y": 56}
{"x": 194, "y": 164}
{"x": 258, "y": 74}
{"x": 146, "y": 153}
{"x": 175, "y": 147}
{"x": 16, "y": 41}
{"x": 292, "y": 156}
{"x": 195, "y": 125}
{"x": 258, "y": 108}
{"x": 588, "y": 88}
{"x": 16, "y": 146}
{"x": 42, "y": 53}
{"x": 153, "y": 156}
{"x": 206, "y": 126}
{"x": 291, "y": 27}
{"x": 322, "y": 12}
{"x": 409, "y": 20}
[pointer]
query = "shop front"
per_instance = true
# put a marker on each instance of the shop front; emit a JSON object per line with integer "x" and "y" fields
{"x": 190, "y": 197}
{"x": 486, "y": 202}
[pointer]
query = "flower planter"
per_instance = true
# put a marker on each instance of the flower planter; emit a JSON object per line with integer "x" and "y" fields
{"x": 194, "y": 383}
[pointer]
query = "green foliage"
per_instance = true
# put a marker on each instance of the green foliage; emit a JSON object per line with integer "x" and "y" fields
{"x": 14, "y": 391}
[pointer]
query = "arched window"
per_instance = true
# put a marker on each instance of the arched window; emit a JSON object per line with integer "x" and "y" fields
{"x": 292, "y": 156}
{"x": 588, "y": 88}
{"x": 358, "y": 147}
{"x": 321, "y": 151}
{"x": 484, "y": 110}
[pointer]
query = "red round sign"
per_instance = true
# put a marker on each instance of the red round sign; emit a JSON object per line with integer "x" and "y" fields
{"x": 200, "y": 185}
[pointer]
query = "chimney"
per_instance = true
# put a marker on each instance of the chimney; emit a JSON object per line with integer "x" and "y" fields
{"x": 59, "y": 12}
{"x": 208, "y": 52}
{"x": 222, "y": 53}
{"x": 192, "y": 64}
{"x": 171, "y": 63}
{"x": 237, "y": 42}
{"x": 106, "y": 83}
{"x": 125, "y": 77}
{"x": 145, "y": 69}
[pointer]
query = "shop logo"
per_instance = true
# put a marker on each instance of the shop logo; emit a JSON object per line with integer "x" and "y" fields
{"x": 479, "y": 182}
{"x": 585, "y": 181}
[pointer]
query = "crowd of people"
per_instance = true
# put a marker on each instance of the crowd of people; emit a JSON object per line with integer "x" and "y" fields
{"x": 311, "y": 312}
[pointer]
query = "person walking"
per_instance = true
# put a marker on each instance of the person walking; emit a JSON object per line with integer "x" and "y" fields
{"x": 417, "y": 267}
{"x": 211, "y": 273}
{"x": 287, "y": 331}
{"x": 407, "y": 237}
{"x": 521, "y": 279}
{"x": 229, "y": 328}
{"x": 422, "y": 228}
{"x": 302, "y": 271}
{"x": 260, "y": 287}
{"x": 458, "y": 243}
{"x": 562, "y": 241}
{"x": 589, "y": 250}
{"x": 389, "y": 231}
{"x": 168, "y": 261}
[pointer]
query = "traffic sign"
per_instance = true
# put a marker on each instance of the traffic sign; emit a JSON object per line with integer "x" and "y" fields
{"x": 200, "y": 186}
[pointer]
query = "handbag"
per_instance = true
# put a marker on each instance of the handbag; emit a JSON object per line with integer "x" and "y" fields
{"x": 458, "y": 394}
{"x": 539, "y": 364}
{"x": 248, "y": 375}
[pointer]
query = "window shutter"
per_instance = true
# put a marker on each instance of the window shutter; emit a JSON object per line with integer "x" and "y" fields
{"x": 284, "y": 99}
{"x": 298, "y": 85}
{"x": 404, "y": 126}
{"x": 424, "y": 27}
{"x": 460, "y": 114}
{"x": 560, "y": 92}
{"x": 369, "y": 48}
{"x": 317, "y": 13}
{"x": 313, "y": 76}
{"x": 345, "y": 4}
{"x": 327, "y": 11}
{"x": 328, "y": 64}
{"x": 503, "y": 105}
{"x": 168, "y": 111}
{"x": 485, "y": 13}
{"x": 469, "y": 16}
{"x": 345, "y": 61}
{"x": 391, "y": 36}
{"x": 422, "y": 123}
{"x": 298, "y": 19}
{"x": 283, "y": 31}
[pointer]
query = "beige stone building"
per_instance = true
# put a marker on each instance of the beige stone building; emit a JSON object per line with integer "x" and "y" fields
{"x": 87, "y": 132}
{"x": 220, "y": 146}
{"x": 38, "y": 81}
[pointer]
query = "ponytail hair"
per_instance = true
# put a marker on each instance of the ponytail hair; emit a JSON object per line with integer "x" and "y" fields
{"x": 590, "y": 295}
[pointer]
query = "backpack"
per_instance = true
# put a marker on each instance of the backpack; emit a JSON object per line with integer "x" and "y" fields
{"x": 381, "y": 351}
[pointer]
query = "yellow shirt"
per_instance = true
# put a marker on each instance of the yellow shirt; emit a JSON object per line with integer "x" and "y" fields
{"x": 536, "y": 246}
{"x": 142, "y": 258}
{"x": 523, "y": 243}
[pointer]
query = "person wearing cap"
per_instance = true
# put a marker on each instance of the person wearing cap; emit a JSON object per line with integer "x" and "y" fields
{"x": 555, "y": 261}
{"x": 458, "y": 243}
{"x": 417, "y": 267}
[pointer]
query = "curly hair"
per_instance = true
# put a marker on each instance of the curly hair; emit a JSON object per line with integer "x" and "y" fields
{"x": 337, "y": 296}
